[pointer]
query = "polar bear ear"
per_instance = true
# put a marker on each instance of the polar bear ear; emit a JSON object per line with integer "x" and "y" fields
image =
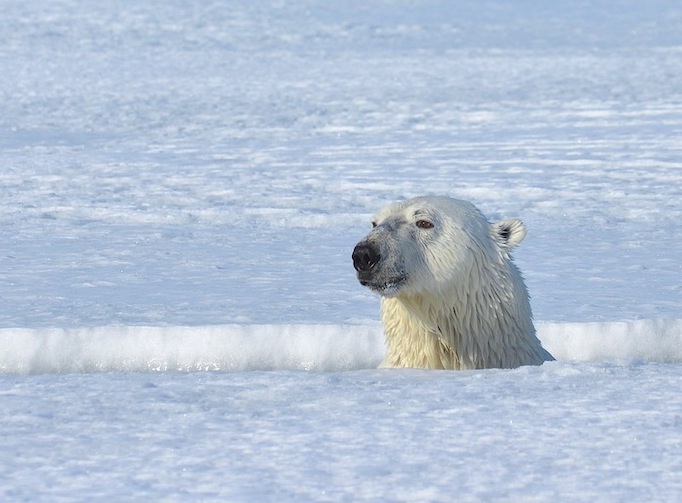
{"x": 509, "y": 233}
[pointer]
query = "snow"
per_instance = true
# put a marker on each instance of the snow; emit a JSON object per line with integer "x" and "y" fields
{"x": 563, "y": 431}
{"x": 182, "y": 184}
{"x": 287, "y": 347}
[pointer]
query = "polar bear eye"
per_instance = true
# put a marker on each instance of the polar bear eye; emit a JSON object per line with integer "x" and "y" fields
{"x": 374, "y": 224}
{"x": 424, "y": 224}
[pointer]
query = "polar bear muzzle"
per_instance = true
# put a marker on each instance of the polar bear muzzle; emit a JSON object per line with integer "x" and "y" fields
{"x": 376, "y": 273}
{"x": 365, "y": 257}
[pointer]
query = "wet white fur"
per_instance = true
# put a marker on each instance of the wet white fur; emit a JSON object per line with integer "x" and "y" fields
{"x": 463, "y": 304}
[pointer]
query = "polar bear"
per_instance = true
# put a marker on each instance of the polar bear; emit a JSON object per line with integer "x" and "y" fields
{"x": 451, "y": 298}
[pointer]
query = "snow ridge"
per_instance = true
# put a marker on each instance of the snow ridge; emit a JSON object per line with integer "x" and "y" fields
{"x": 325, "y": 348}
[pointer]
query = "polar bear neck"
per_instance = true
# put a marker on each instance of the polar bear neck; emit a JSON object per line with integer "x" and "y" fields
{"x": 468, "y": 328}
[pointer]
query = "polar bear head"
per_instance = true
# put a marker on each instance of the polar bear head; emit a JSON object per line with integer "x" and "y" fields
{"x": 451, "y": 297}
{"x": 431, "y": 244}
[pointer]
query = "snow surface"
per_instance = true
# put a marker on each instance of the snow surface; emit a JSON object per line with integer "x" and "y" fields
{"x": 182, "y": 184}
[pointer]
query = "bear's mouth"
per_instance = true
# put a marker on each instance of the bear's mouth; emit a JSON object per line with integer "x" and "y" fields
{"x": 388, "y": 288}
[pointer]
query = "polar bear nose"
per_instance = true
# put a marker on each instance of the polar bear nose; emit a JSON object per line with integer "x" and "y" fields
{"x": 365, "y": 257}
